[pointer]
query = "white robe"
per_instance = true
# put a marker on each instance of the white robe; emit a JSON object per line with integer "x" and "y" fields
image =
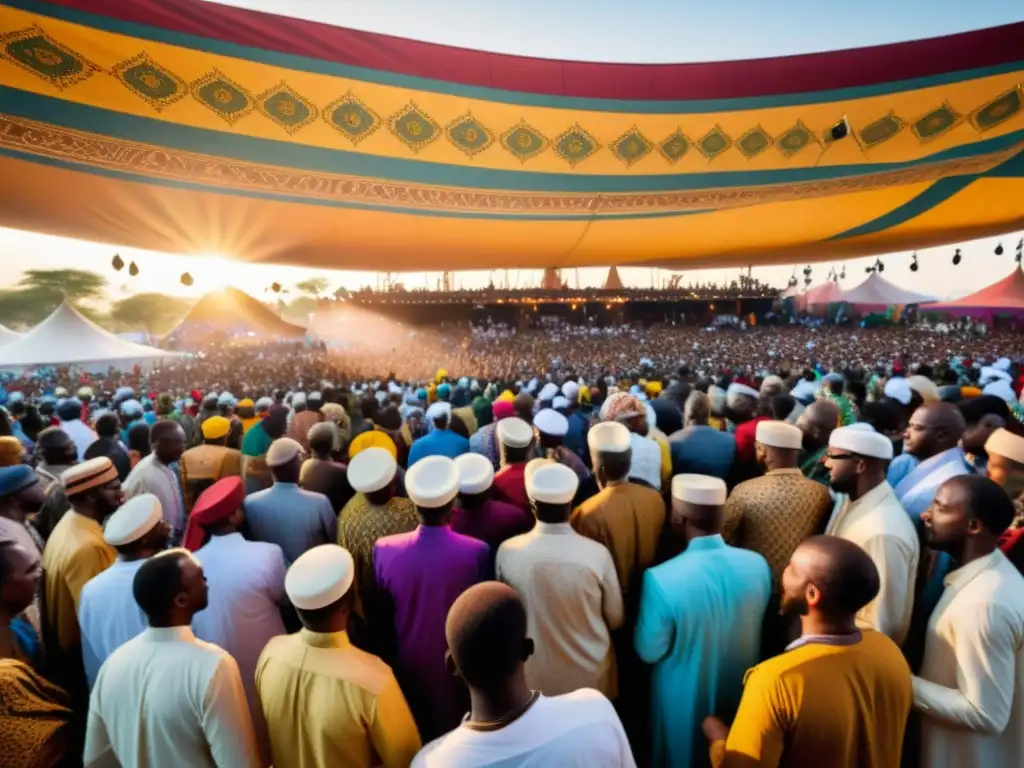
{"x": 917, "y": 489}
{"x": 150, "y": 476}
{"x": 81, "y": 435}
{"x": 167, "y": 700}
{"x": 878, "y": 524}
{"x": 971, "y": 688}
{"x": 108, "y": 615}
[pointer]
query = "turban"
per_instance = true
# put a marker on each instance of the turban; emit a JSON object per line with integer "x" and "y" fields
{"x": 216, "y": 427}
{"x": 503, "y": 409}
{"x": 506, "y": 396}
{"x": 625, "y": 407}
{"x": 441, "y": 375}
{"x": 372, "y": 439}
{"x": 216, "y": 503}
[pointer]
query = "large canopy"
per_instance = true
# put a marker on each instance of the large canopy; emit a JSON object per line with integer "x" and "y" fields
{"x": 7, "y": 335}
{"x": 876, "y": 291}
{"x": 234, "y": 311}
{"x": 66, "y": 337}
{"x": 1005, "y": 295}
{"x": 820, "y": 295}
{"x": 193, "y": 127}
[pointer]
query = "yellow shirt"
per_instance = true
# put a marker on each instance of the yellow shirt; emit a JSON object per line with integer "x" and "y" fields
{"x": 822, "y": 704}
{"x": 327, "y": 703}
{"x": 74, "y": 554}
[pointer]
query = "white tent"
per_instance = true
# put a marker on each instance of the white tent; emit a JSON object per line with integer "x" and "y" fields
{"x": 68, "y": 338}
{"x": 876, "y": 291}
{"x": 7, "y": 335}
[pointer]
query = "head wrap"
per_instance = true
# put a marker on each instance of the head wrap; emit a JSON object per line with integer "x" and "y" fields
{"x": 16, "y": 478}
{"x": 624, "y": 407}
{"x": 10, "y": 451}
{"x": 216, "y": 503}
{"x": 216, "y": 427}
{"x": 372, "y": 439}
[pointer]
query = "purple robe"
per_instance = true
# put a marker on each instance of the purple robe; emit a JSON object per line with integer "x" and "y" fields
{"x": 493, "y": 523}
{"x": 423, "y": 572}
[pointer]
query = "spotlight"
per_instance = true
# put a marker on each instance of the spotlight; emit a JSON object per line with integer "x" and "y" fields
{"x": 807, "y": 271}
{"x": 133, "y": 270}
{"x": 999, "y": 250}
{"x": 869, "y": 270}
{"x": 842, "y": 275}
{"x": 957, "y": 258}
{"x": 840, "y": 130}
{"x": 275, "y": 287}
{"x": 913, "y": 265}
{"x": 117, "y": 262}
{"x": 880, "y": 265}
{"x": 186, "y": 279}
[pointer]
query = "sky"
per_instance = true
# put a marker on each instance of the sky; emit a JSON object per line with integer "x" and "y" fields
{"x": 646, "y": 31}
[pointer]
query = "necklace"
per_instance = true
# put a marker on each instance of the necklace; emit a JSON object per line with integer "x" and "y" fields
{"x": 501, "y": 722}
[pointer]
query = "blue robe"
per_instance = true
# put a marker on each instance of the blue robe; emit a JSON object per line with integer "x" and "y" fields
{"x": 917, "y": 488}
{"x": 700, "y": 626}
{"x": 440, "y": 442}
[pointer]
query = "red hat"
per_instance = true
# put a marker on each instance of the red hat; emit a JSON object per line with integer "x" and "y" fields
{"x": 216, "y": 503}
{"x": 196, "y": 395}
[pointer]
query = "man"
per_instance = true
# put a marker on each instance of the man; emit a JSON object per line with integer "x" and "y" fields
{"x": 627, "y": 518}
{"x": 742, "y": 402}
{"x": 55, "y": 451}
{"x": 284, "y": 514}
{"x": 552, "y": 428}
{"x": 154, "y": 475}
{"x": 772, "y": 514}
{"x": 509, "y": 724}
{"x": 931, "y": 455}
{"x": 970, "y": 692}
{"x": 699, "y": 449}
{"x": 165, "y": 698}
{"x": 572, "y": 594}
{"x": 70, "y": 414}
{"x": 868, "y": 513}
{"x": 576, "y": 437}
{"x": 108, "y": 443}
{"x": 107, "y": 614}
{"x": 205, "y": 464}
{"x": 361, "y": 718}
{"x": 485, "y": 440}
{"x": 699, "y": 623}
{"x": 21, "y": 495}
{"x": 305, "y": 419}
{"x": 419, "y": 575}
{"x": 76, "y": 552}
{"x": 840, "y": 695}
{"x": 647, "y": 461}
{"x": 441, "y": 441}
{"x": 246, "y": 581}
{"x": 321, "y": 473}
{"x": 1005, "y": 452}
{"x": 817, "y": 422}
{"x": 516, "y": 438}
{"x": 478, "y": 513}
{"x": 255, "y": 445}
{"x": 375, "y": 511}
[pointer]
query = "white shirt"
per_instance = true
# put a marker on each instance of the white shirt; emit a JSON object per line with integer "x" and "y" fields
{"x": 166, "y": 700}
{"x": 645, "y": 462}
{"x": 578, "y": 730}
{"x": 971, "y": 688}
{"x": 151, "y": 476}
{"x": 81, "y": 435}
{"x": 108, "y": 615}
{"x": 878, "y": 523}
{"x": 573, "y": 601}
{"x": 246, "y": 585}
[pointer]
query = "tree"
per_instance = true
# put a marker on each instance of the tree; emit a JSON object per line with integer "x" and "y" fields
{"x": 77, "y": 284}
{"x": 157, "y": 313}
{"x": 313, "y": 286}
{"x": 299, "y": 309}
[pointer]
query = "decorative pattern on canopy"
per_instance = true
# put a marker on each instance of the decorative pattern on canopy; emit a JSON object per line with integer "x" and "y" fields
{"x": 197, "y": 128}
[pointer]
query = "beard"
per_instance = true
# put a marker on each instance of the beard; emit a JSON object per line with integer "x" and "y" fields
{"x": 794, "y": 606}
{"x": 843, "y": 486}
{"x": 952, "y": 547}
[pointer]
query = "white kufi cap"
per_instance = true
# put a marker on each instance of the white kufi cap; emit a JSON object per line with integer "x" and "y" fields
{"x": 283, "y": 450}
{"x": 779, "y": 434}
{"x": 432, "y": 482}
{"x": 609, "y": 437}
{"x": 861, "y": 442}
{"x": 552, "y": 484}
{"x": 548, "y": 391}
{"x": 1001, "y": 389}
{"x": 551, "y": 422}
{"x": 1004, "y": 443}
{"x": 371, "y": 470}
{"x": 133, "y": 520}
{"x": 439, "y": 410}
{"x": 704, "y": 490}
{"x": 571, "y": 390}
{"x": 321, "y": 576}
{"x": 476, "y": 473}
{"x": 514, "y": 432}
{"x": 898, "y": 389}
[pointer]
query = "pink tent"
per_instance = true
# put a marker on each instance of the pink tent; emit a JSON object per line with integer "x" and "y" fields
{"x": 820, "y": 296}
{"x": 1004, "y": 296}
{"x": 877, "y": 293}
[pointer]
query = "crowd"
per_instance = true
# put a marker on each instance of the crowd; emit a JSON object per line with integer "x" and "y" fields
{"x": 660, "y": 546}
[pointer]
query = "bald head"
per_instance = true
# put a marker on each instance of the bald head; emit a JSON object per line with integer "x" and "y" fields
{"x": 523, "y": 406}
{"x": 830, "y": 575}
{"x": 933, "y": 428}
{"x": 817, "y": 422}
{"x": 486, "y": 634}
